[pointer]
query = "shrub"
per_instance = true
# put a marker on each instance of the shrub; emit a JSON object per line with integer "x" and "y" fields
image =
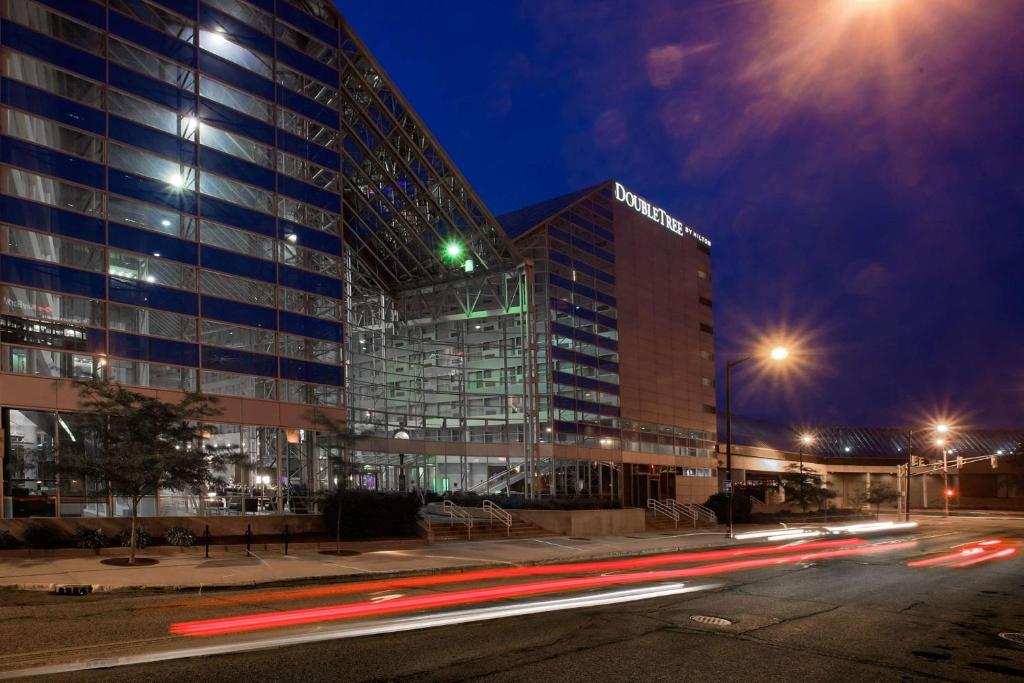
{"x": 142, "y": 538}
{"x": 86, "y": 537}
{"x": 741, "y": 505}
{"x": 179, "y": 536}
{"x": 368, "y": 514}
{"x": 7, "y": 540}
{"x": 43, "y": 536}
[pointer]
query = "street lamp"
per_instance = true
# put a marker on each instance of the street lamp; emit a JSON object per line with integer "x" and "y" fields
{"x": 777, "y": 354}
{"x": 939, "y": 428}
{"x": 805, "y": 440}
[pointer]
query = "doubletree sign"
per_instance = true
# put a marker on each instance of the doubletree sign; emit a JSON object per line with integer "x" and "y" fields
{"x": 659, "y": 216}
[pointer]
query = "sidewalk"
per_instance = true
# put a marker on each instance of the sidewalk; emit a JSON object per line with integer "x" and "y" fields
{"x": 190, "y": 570}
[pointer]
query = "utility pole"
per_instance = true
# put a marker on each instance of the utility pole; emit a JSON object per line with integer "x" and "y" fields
{"x": 910, "y": 466}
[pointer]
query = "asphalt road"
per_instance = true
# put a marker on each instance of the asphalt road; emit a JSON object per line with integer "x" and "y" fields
{"x": 856, "y": 617}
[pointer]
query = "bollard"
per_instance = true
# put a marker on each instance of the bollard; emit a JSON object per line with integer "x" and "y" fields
{"x": 248, "y": 540}
{"x": 285, "y": 539}
{"x": 206, "y": 540}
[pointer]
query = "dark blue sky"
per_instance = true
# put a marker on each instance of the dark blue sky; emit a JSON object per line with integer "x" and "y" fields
{"x": 858, "y": 165}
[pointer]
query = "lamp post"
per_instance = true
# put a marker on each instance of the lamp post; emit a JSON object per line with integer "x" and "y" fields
{"x": 805, "y": 440}
{"x": 779, "y": 353}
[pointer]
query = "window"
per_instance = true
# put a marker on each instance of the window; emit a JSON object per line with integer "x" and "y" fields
{"x": 304, "y": 214}
{"x": 215, "y": 333}
{"x": 308, "y": 130}
{"x": 32, "y": 303}
{"x": 176, "y": 175}
{"x": 44, "y": 363}
{"x": 152, "y": 323}
{"x": 707, "y": 382}
{"x": 52, "y": 79}
{"x": 217, "y": 43}
{"x": 707, "y": 355}
{"x": 240, "y": 241}
{"x": 44, "y": 247}
{"x": 236, "y": 193}
{"x": 705, "y": 301}
{"x": 245, "y": 13}
{"x": 142, "y": 374}
{"x": 704, "y": 327}
{"x": 149, "y": 217}
{"x": 236, "y": 288}
{"x": 156, "y": 17}
{"x": 710, "y": 409}
{"x": 54, "y": 25}
{"x": 149, "y": 114}
{"x": 303, "y": 84}
{"x": 303, "y": 42}
{"x": 309, "y": 259}
{"x": 236, "y": 99}
{"x": 702, "y": 274}
{"x": 230, "y": 384}
{"x": 310, "y": 304}
{"x": 304, "y": 170}
{"x": 236, "y": 145}
{"x": 149, "y": 64}
{"x": 309, "y": 349}
{"x": 152, "y": 270}
{"x": 49, "y": 191}
{"x": 49, "y": 134}
{"x": 316, "y": 394}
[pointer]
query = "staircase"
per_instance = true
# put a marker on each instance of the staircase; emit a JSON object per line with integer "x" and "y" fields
{"x": 669, "y": 515}
{"x": 454, "y": 523}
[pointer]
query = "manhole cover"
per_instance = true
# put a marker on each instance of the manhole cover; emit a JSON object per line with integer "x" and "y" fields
{"x": 711, "y": 621}
{"x": 1013, "y": 637}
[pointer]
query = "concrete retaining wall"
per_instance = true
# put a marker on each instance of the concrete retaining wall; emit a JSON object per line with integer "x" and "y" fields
{"x": 220, "y": 527}
{"x": 586, "y": 522}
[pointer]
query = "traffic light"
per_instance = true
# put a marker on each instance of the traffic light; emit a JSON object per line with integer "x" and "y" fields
{"x": 949, "y": 493}
{"x": 994, "y": 461}
{"x": 959, "y": 461}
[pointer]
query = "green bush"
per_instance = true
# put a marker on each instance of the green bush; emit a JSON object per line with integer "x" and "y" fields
{"x": 741, "y": 505}
{"x": 87, "y": 537}
{"x": 368, "y": 514}
{"x": 7, "y": 540}
{"x": 179, "y": 536}
{"x": 42, "y": 535}
{"x": 142, "y": 538}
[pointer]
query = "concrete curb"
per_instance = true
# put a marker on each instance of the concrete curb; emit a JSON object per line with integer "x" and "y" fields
{"x": 343, "y": 578}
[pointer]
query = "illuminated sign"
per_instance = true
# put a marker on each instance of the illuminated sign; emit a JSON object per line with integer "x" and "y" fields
{"x": 659, "y": 216}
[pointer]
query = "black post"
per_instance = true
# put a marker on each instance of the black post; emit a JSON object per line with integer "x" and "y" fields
{"x": 285, "y": 539}
{"x": 248, "y": 539}
{"x": 728, "y": 434}
{"x": 206, "y": 540}
{"x": 910, "y": 465}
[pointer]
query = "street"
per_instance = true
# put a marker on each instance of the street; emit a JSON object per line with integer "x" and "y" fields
{"x": 817, "y": 609}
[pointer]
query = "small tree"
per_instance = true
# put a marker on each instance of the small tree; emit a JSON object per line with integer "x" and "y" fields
{"x": 142, "y": 444}
{"x": 878, "y": 496}
{"x": 805, "y": 487}
{"x": 326, "y": 423}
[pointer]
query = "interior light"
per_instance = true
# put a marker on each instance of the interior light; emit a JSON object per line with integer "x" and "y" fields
{"x": 166, "y": 223}
{"x": 292, "y": 237}
{"x": 176, "y": 181}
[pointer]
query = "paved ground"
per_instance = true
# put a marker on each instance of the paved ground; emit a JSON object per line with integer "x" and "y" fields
{"x": 854, "y": 618}
{"x": 181, "y": 570}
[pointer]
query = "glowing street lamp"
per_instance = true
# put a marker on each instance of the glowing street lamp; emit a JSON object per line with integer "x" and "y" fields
{"x": 453, "y": 250}
{"x": 776, "y": 354}
{"x": 805, "y": 440}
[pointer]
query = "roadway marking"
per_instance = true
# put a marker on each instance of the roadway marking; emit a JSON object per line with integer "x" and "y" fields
{"x": 394, "y": 625}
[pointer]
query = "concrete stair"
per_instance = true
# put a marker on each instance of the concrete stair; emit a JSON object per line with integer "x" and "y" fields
{"x": 483, "y": 529}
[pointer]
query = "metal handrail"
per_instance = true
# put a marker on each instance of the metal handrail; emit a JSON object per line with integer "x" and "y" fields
{"x": 701, "y": 512}
{"x": 682, "y": 509}
{"x": 658, "y": 507}
{"x": 456, "y": 512}
{"x": 496, "y": 512}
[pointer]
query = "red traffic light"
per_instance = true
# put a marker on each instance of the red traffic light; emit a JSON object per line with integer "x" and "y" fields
{"x": 949, "y": 493}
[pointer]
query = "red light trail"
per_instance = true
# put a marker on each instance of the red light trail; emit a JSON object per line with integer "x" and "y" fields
{"x": 971, "y": 554}
{"x": 364, "y": 609}
{"x": 514, "y": 572}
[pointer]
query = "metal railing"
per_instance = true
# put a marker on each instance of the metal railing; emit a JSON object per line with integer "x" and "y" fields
{"x": 459, "y": 514}
{"x": 659, "y": 508}
{"x": 681, "y": 509}
{"x": 496, "y": 512}
{"x": 699, "y": 512}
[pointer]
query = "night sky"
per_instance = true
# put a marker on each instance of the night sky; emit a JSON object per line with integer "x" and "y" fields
{"x": 857, "y": 164}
